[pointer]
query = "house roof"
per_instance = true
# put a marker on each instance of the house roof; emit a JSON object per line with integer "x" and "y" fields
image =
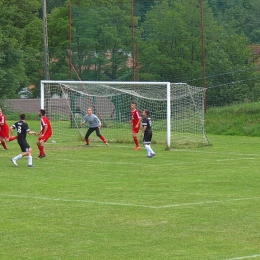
{"x": 255, "y": 48}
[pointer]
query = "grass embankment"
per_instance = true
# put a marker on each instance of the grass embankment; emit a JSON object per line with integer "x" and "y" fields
{"x": 240, "y": 119}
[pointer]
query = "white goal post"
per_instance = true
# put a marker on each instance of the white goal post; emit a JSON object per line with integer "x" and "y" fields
{"x": 177, "y": 109}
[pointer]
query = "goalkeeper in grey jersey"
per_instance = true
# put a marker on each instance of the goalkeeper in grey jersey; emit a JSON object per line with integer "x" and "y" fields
{"x": 94, "y": 125}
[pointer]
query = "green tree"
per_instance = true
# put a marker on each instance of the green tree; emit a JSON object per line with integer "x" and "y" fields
{"x": 168, "y": 37}
{"x": 91, "y": 3}
{"x": 232, "y": 77}
{"x": 20, "y": 31}
{"x": 170, "y": 49}
{"x": 241, "y": 15}
{"x": 52, "y": 4}
{"x": 58, "y": 35}
{"x": 141, "y": 7}
{"x": 252, "y": 22}
{"x": 102, "y": 42}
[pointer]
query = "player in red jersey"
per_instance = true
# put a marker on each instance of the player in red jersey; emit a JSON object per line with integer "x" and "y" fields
{"x": 136, "y": 123}
{"x": 45, "y": 133}
{"x": 4, "y": 131}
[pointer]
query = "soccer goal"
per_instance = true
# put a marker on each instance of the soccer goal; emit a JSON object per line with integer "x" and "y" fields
{"x": 177, "y": 110}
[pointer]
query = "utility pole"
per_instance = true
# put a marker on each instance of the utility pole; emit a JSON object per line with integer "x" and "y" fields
{"x": 203, "y": 53}
{"x": 45, "y": 42}
{"x": 70, "y": 42}
{"x": 133, "y": 40}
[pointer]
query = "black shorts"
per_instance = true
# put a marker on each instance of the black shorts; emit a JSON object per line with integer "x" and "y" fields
{"x": 147, "y": 137}
{"x": 24, "y": 146}
{"x": 92, "y": 129}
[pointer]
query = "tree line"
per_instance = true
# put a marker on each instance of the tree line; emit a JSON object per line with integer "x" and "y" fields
{"x": 167, "y": 43}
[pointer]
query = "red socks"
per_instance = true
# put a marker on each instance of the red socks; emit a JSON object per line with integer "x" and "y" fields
{"x": 3, "y": 144}
{"x": 41, "y": 149}
{"x": 136, "y": 141}
{"x": 12, "y": 138}
{"x": 103, "y": 139}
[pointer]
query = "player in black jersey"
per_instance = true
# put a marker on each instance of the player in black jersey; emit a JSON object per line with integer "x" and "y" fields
{"x": 147, "y": 132}
{"x": 22, "y": 130}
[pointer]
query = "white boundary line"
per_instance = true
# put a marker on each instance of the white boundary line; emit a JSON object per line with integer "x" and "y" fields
{"x": 82, "y": 201}
{"x": 244, "y": 257}
{"x": 165, "y": 164}
{"x": 216, "y": 152}
{"x": 129, "y": 204}
{"x": 206, "y": 202}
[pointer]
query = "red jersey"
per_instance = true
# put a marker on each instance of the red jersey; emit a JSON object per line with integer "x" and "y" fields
{"x": 4, "y": 128}
{"x": 45, "y": 121}
{"x": 135, "y": 117}
{"x": 2, "y": 120}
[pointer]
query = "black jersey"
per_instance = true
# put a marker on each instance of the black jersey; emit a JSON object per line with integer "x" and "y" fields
{"x": 22, "y": 130}
{"x": 148, "y": 123}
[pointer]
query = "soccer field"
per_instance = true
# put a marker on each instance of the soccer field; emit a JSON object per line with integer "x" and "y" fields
{"x": 98, "y": 202}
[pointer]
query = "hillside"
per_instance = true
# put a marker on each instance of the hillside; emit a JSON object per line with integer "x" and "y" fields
{"x": 240, "y": 119}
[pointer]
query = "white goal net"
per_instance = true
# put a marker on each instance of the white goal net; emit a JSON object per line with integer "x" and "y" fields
{"x": 177, "y": 110}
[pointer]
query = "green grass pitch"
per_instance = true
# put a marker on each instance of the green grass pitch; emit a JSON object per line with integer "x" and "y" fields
{"x": 97, "y": 202}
